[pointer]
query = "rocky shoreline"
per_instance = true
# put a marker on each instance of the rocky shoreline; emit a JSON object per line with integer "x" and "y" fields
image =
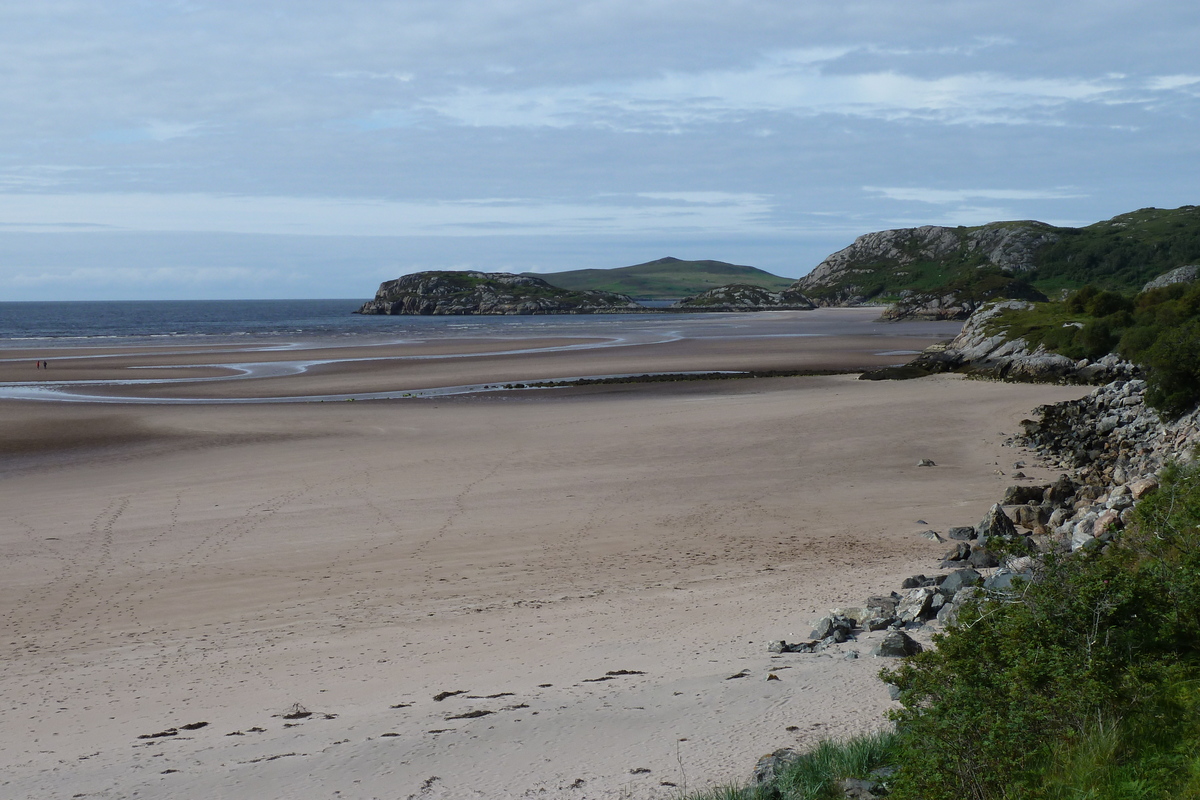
{"x": 1111, "y": 447}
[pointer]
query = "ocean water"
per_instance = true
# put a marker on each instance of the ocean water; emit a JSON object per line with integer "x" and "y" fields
{"x": 110, "y": 323}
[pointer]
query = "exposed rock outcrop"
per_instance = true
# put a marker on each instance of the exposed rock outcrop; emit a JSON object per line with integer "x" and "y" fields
{"x": 744, "y": 297}
{"x": 1178, "y": 275}
{"x": 446, "y": 292}
{"x": 955, "y": 303}
{"x": 981, "y": 349}
{"x": 852, "y": 275}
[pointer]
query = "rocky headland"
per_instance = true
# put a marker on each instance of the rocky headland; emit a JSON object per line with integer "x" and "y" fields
{"x": 983, "y": 350}
{"x": 858, "y": 273}
{"x": 449, "y": 292}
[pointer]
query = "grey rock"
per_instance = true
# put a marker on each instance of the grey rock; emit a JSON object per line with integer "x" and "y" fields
{"x": 896, "y": 644}
{"x": 915, "y": 605}
{"x": 1178, "y": 275}
{"x": 996, "y": 524}
{"x": 1059, "y": 492}
{"x": 858, "y": 789}
{"x": 981, "y": 558}
{"x": 1002, "y": 580}
{"x": 932, "y": 536}
{"x": 833, "y": 626}
{"x": 962, "y": 533}
{"x": 959, "y": 579}
{"x": 771, "y": 765}
{"x": 960, "y": 552}
{"x": 1020, "y": 495}
{"x": 884, "y": 603}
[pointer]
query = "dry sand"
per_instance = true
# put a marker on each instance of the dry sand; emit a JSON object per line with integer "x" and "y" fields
{"x": 167, "y": 565}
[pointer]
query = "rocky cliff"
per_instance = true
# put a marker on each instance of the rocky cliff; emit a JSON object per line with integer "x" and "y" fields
{"x": 886, "y": 261}
{"x": 447, "y": 292}
{"x": 743, "y": 297}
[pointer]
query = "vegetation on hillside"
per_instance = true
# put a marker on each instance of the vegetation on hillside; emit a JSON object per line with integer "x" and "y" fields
{"x": 1158, "y": 329}
{"x": 1084, "y": 683}
{"x": 1120, "y": 254}
{"x": 665, "y": 279}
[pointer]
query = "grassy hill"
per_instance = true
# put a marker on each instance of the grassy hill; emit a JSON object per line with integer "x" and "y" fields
{"x": 1119, "y": 254}
{"x": 666, "y": 278}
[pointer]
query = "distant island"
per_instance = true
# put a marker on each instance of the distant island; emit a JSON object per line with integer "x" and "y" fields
{"x": 446, "y": 292}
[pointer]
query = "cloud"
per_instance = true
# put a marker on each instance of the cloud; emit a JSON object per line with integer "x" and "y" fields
{"x": 792, "y": 82}
{"x": 1166, "y": 83}
{"x": 151, "y": 131}
{"x": 952, "y": 196}
{"x": 706, "y": 212}
{"x": 392, "y": 75}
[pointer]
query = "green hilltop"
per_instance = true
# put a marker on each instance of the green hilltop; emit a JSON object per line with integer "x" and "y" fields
{"x": 1118, "y": 254}
{"x": 664, "y": 279}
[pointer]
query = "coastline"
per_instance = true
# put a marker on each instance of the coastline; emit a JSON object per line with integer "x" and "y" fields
{"x": 221, "y": 563}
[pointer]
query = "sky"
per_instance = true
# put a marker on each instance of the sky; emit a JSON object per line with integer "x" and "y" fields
{"x": 181, "y": 149}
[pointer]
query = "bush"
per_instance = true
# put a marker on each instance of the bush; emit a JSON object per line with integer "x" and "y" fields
{"x": 1172, "y": 366}
{"x": 1096, "y": 663}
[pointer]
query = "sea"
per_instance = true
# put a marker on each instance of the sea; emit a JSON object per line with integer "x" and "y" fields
{"x": 34, "y": 325}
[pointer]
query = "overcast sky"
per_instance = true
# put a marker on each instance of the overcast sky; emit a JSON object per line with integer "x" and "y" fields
{"x": 178, "y": 149}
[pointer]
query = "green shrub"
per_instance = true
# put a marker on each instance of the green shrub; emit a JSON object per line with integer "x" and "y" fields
{"x": 1084, "y": 668}
{"x": 1172, "y": 366}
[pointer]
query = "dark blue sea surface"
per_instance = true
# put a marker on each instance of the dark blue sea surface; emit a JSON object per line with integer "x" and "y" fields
{"x": 50, "y": 322}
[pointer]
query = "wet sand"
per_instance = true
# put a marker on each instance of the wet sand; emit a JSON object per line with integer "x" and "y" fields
{"x": 165, "y": 565}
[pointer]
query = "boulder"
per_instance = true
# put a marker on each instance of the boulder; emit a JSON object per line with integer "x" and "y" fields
{"x": 855, "y": 614}
{"x": 996, "y": 524}
{"x": 1002, "y": 580}
{"x": 981, "y": 558}
{"x": 1108, "y": 520}
{"x": 833, "y": 626}
{"x": 897, "y": 644}
{"x": 1031, "y": 515}
{"x": 961, "y": 533}
{"x": 1020, "y": 495}
{"x": 959, "y": 579}
{"x": 960, "y": 552}
{"x": 770, "y": 765}
{"x": 883, "y": 603}
{"x": 948, "y": 613}
{"x": 915, "y": 605}
{"x": 1059, "y": 492}
{"x": 1143, "y": 486}
{"x": 859, "y": 789}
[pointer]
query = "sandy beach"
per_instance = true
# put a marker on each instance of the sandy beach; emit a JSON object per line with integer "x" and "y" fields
{"x": 578, "y": 573}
